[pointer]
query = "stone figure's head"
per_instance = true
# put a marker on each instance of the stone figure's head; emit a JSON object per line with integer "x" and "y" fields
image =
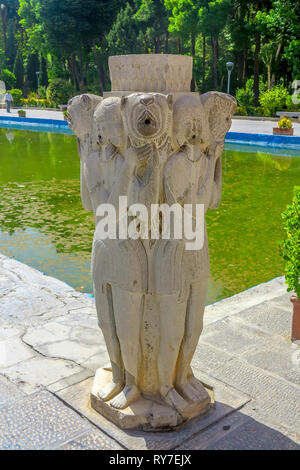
{"x": 190, "y": 128}
{"x": 219, "y": 109}
{"x": 147, "y": 117}
{"x": 80, "y": 113}
{"x": 189, "y": 123}
{"x": 108, "y": 128}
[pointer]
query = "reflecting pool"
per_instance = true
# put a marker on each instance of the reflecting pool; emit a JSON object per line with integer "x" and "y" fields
{"x": 43, "y": 224}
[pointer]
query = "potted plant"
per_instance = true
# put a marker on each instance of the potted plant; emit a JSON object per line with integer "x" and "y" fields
{"x": 22, "y": 113}
{"x": 290, "y": 251}
{"x": 285, "y": 127}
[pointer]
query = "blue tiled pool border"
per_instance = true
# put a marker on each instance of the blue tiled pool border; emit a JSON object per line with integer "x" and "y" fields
{"x": 242, "y": 138}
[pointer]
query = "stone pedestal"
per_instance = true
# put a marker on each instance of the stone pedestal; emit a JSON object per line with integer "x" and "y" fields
{"x": 149, "y": 414}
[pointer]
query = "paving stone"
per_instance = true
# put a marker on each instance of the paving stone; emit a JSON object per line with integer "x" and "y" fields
{"x": 8, "y": 391}
{"x": 208, "y": 358}
{"x": 274, "y": 396}
{"x": 71, "y": 380}
{"x": 277, "y": 360}
{"x": 72, "y": 337}
{"x": 233, "y": 337}
{"x": 244, "y": 300}
{"x": 239, "y": 432}
{"x": 27, "y": 301}
{"x": 226, "y": 401}
{"x": 39, "y": 421}
{"x": 33, "y": 373}
{"x": 13, "y": 351}
{"x": 273, "y": 316}
{"x": 93, "y": 440}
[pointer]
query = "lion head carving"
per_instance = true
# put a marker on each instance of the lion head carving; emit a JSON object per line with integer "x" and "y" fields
{"x": 147, "y": 117}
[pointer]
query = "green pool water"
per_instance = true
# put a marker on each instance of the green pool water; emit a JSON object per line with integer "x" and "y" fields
{"x": 43, "y": 224}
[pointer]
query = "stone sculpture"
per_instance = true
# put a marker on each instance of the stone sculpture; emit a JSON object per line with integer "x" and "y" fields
{"x": 153, "y": 148}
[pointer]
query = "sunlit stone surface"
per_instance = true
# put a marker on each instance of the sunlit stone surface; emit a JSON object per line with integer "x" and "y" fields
{"x": 160, "y": 144}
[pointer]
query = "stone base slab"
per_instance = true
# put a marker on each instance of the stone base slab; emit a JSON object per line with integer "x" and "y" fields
{"x": 226, "y": 401}
{"x": 145, "y": 413}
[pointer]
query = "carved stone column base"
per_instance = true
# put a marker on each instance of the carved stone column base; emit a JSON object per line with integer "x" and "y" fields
{"x": 145, "y": 413}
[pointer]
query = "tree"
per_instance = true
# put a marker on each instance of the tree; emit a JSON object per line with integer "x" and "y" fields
{"x": 153, "y": 20}
{"x": 123, "y": 36}
{"x": 19, "y": 70}
{"x": 43, "y": 73}
{"x": 33, "y": 66}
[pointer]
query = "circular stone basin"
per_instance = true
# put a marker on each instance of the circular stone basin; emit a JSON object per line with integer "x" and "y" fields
{"x": 162, "y": 73}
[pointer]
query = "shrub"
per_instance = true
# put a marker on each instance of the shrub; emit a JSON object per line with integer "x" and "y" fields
{"x": 241, "y": 111}
{"x": 42, "y": 92}
{"x": 274, "y": 99}
{"x": 244, "y": 97}
{"x": 285, "y": 123}
{"x": 290, "y": 247}
{"x": 8, "y": 78}
{"x": 290, "y": 105}
{"x": 59, "y": 91}
{"x": 17, "y": 96}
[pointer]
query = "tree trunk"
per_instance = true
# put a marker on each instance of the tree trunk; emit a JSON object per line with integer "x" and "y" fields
{"x": 156, "y": 45}
{"x": 203, "y": 61}
{"x": 256, "y": 68}
{"x": 74, "y": 72}
{"x": 167, "y": 42}
{"x": 179, "y": 47}
{"x": 100, "y": 70}
{"x": 244, "y": 65}
{"x": 3, "y": 12}
{"x": 269, "y": 76}
{"x": 193, "y": 47}
{"x": 215, "y": 47}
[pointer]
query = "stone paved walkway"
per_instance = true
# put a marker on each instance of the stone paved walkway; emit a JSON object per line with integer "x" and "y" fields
{"x": 238, "y": 125}
{"x": 50, "y": 344}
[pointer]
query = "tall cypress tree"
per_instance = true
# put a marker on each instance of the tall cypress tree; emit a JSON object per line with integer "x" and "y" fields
{"x": 11, "y": 50}
{"x": 33, "y": 66}
{"x": 19, "y": 70}
{"x": 44, "y": 73}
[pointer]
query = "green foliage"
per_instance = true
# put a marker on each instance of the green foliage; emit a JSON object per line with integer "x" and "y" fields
{"x": 75, "y": 37}
{"x": 42, "y": 92}
{"x": 290, "y": 247}
{"x": 59, "y": 92}
{"x": 244, "y": 97}
{"x": 33, "y": 66}
{"x": 123, "y": 36}
{"x": 8, "y": 78}
{"x": 241, "y": 111}
{"x": 290, "y": 105}
{"x": 19, "y": 70}
{"x": 273, "y": 100}
{"x": 17, "y": 95}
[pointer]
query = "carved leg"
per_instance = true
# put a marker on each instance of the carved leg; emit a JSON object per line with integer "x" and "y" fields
{"x": 107, "y": 325}
{"x": 188, "y": 386}
{"x": 172, "y": 319}
{"x": 128, "y": 309}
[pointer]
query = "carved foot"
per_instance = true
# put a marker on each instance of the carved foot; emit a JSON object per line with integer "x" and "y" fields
{"x": 189, "y": 392}
{"x": 197, "y": 385}
{"x": 173, "y": 399}
{"x": 110, "y": 391}
{"x": 128, "y": 395}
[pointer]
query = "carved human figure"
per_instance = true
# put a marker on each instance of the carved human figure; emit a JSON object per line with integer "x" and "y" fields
{"x": 146, "y": 119}
{"x": 193, "y": 175}
{"x": 80, "y": 114}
